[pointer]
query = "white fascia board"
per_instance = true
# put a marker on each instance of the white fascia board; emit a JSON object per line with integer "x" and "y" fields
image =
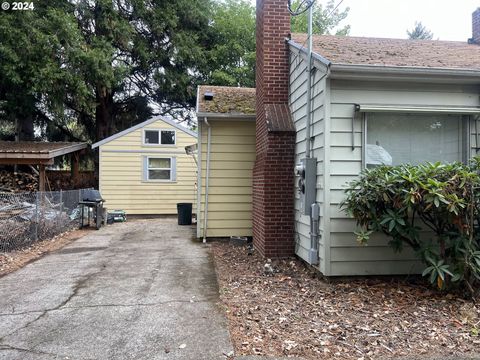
{"x": 404, "y": 73}
{"x": 141, "y": 125}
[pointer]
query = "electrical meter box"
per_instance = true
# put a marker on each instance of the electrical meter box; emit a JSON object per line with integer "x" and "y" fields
{"x": 306, "y": 170}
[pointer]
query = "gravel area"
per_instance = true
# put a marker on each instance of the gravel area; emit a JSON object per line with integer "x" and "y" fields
{"x": 286, "y": 309}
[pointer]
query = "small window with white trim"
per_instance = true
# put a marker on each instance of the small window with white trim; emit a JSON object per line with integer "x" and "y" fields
{"x": 159, "y": 137}
{"x": 159, "y": 169}
{"x": 401, "y": 138}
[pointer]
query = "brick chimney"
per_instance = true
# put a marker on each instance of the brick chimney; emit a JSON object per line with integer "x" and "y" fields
{"x": 476, "y": 26}
{"x": 273, "y": 173}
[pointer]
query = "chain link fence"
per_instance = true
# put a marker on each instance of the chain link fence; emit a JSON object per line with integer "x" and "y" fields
{"x": 29, "y": 217}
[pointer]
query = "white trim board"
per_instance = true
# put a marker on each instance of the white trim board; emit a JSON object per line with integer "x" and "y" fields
{"x": 472, "y": 110}
{"x": 141, "y": 125}
{"x": 146, "y": 151}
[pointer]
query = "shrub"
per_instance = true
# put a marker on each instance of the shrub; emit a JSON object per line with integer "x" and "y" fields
{"x": 402, "y": 201}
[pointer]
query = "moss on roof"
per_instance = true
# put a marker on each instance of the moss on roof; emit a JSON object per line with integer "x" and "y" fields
{"x": 227, "y": 100}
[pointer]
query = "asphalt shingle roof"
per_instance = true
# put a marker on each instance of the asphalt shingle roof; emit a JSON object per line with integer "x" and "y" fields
{"x": 394, "y": 52}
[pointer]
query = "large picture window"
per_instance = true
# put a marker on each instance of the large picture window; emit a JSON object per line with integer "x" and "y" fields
{"x": 159, "y": 169}
{"x": 159, "y": 137}
{"x": 394, "y": 139}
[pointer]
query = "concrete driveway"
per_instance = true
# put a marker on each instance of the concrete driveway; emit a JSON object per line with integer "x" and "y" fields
{"x": 138, "y": 290}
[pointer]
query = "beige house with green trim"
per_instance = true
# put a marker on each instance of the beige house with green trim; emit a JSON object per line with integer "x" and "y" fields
{"x": 145, "y": 169}
{"x": 226, "y": 154}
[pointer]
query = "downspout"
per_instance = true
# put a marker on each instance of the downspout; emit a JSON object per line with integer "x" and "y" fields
{"x": 207, "y": 178}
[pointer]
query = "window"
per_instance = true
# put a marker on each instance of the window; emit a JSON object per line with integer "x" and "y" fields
{"x": 159, "y": 169}
{"x": 159, "y": 137}
{"x": 151, "y": 137}
{"x": 168, "y": 137}
{"x": 394, "y": 139}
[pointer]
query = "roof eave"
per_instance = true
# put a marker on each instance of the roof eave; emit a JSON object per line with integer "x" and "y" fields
{"x": 67, "y": 149}
{"x": 44, "y": 154}
{"x": 141, "y": 125}
{"x": 416, "y": 74}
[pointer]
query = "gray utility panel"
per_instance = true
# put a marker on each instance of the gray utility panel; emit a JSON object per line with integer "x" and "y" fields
{"x": 306, "y": 170}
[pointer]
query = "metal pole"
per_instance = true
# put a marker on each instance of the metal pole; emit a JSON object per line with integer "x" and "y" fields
{"x": 308, "y": 136}
{"x": 60, "y": 209}
{"x": 37, "y": 203}
{"x": 61, "y": 201}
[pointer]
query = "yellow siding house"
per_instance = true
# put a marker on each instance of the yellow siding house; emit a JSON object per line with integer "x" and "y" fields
{"x": 146, "y": 170}
{"x": 226, "y": 126}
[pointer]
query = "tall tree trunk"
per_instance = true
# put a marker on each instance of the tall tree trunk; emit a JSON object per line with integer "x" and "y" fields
{"x": 103, "y": 112}
{"x": 25, "y": 130}
{"x": 103, "y": 118}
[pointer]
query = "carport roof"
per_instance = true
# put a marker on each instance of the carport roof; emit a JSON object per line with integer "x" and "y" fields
{"x": 35, "y": 152}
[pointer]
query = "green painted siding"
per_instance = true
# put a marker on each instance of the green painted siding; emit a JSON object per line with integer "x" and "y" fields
{"x": 347, "y": 257}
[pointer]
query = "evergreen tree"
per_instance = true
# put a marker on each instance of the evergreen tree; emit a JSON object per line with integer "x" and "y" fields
{"x": 419, "y": 32}
{"x": 81, "y": 69}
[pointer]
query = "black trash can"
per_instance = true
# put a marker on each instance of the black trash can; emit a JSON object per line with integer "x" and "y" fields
{"x": 184, "y": 211}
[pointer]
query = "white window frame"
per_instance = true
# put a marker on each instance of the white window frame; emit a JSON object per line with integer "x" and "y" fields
{"x": 172, "y": 169}
{"x": 465, "y": 134}
{"x": 159, "y": 131}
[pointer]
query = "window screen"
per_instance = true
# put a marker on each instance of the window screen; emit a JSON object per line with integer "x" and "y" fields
{"x": 394, "y": 139}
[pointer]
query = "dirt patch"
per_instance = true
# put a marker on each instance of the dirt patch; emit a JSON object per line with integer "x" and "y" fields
{"x": 287, "y": 310}
{"x": 14, "y": 260}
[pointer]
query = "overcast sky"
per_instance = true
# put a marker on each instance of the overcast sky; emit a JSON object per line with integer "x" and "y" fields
{"x": 447, "y": 19}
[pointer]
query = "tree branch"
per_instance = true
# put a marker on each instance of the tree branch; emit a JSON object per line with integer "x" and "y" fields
{"x": 61, "y": 127}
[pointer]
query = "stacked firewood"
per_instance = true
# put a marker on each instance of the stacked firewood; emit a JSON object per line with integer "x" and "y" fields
{"x": 17, "y": 181}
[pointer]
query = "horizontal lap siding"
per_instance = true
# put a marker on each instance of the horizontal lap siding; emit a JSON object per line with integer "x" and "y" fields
{"x": 347, "y": 256}
{"x": 230, "y": 182}
{"x": 121, "y": 174}
{"x": 298, "y": 99}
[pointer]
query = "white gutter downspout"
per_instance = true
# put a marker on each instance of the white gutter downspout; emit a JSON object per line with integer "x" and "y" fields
{"x": 207, "y": 177}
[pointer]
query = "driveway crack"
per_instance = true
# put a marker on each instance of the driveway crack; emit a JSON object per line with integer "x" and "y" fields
{"x": 78, "y": 285}
{"x": 36, "y": 352}
{"x": 206, "y": 300}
